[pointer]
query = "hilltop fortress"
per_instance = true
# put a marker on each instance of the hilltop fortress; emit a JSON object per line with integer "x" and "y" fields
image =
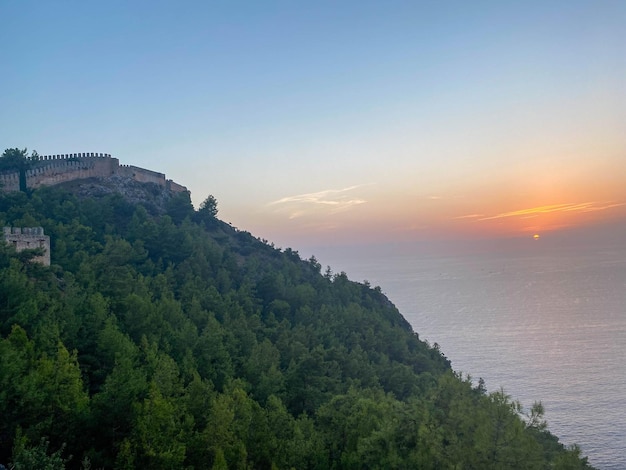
{"x": 55, "y": 169}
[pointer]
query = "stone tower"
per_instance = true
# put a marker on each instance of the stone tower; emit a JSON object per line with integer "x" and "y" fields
{"x": 24, "y": 238}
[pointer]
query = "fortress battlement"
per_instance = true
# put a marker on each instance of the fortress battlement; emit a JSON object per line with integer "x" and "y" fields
{"x": 74, "y": 155}
{"x": 49, "y": 170}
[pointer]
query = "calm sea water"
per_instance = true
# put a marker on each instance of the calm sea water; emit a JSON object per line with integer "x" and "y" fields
{"x": 547, "y": 325}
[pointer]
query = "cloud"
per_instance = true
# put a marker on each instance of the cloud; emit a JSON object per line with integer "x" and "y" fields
{"x": 568, "y": 207}
{"x": 607, "y": 206}
{"x": 333, "y": 200}
{"x": 469, "y": 216}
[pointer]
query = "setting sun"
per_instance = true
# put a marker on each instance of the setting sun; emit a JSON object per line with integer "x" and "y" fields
{"x": 536, "y": 236}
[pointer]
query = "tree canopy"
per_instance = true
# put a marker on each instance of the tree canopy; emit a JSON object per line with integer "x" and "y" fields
{"x": 18, "y": 160}
{"x": 156, "y": 341}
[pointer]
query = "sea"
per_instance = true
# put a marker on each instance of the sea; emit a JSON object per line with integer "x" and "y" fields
{"x": 545, "y": 322}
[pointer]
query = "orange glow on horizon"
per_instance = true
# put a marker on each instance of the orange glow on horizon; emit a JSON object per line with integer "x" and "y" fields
{"x": 537, "y": 219}
{"x": 366, "y": 214}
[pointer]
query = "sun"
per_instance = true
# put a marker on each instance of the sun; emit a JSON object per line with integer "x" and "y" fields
{"x": 536, "y": 236}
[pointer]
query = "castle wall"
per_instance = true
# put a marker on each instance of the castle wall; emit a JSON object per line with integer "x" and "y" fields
{"x": 56, "y": 169}
{"x": 142, "y": 175}
{"x": 10, "y": 181}
{"x": 175, "y": 187}
{"x": 24, "y": 238}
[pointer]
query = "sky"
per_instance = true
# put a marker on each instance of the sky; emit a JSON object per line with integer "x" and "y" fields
{"x": 334, "y": 123}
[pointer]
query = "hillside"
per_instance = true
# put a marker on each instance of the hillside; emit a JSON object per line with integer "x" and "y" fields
{"x": 163, "y": 338}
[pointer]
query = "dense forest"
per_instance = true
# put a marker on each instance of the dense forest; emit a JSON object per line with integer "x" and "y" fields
{"x": 162, "y": 338}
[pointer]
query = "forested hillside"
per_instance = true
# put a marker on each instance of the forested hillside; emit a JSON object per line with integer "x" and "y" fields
{"x": 167, "y": 339}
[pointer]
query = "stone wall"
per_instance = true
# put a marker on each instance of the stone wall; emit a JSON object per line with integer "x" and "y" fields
{"x": 142, "y": 175}
{"x": 56, "y": 169}
{"x": 175, "y": 187}
{"x": 10, "y": 181}
{"x": 24, "y": 238}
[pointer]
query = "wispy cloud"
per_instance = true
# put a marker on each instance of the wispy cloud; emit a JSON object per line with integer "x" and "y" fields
{"x": 568, "y": 207}
{"x": 335, "y": 200}
{"x": 609, "y": 205}
{"x": 469, "y": 216}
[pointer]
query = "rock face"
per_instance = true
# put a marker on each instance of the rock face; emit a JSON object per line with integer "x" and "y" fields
{"x": 154, "y": 197}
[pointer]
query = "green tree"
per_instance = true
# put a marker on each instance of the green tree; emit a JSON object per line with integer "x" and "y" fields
{"x": 209, "y": 206}
{"x": 180, "y": 207}
{"x": 160, "y": 432}
{"x": 207, "y": 213}
{"x": 44, "y": 396}
{"x": 19, "y": 160}
{"x": 35, "y": 457}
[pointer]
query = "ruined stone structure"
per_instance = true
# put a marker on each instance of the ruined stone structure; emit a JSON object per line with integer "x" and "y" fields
{"x": 55, "y": 169}
{"x": 24, "y": 238}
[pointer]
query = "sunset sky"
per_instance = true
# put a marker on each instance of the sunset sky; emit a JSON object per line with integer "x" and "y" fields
{"x": 333, "y": 123}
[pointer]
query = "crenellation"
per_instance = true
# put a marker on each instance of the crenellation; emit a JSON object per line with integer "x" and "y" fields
{"x": 60, "y": 168}
{"x": 10, "y": 181}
